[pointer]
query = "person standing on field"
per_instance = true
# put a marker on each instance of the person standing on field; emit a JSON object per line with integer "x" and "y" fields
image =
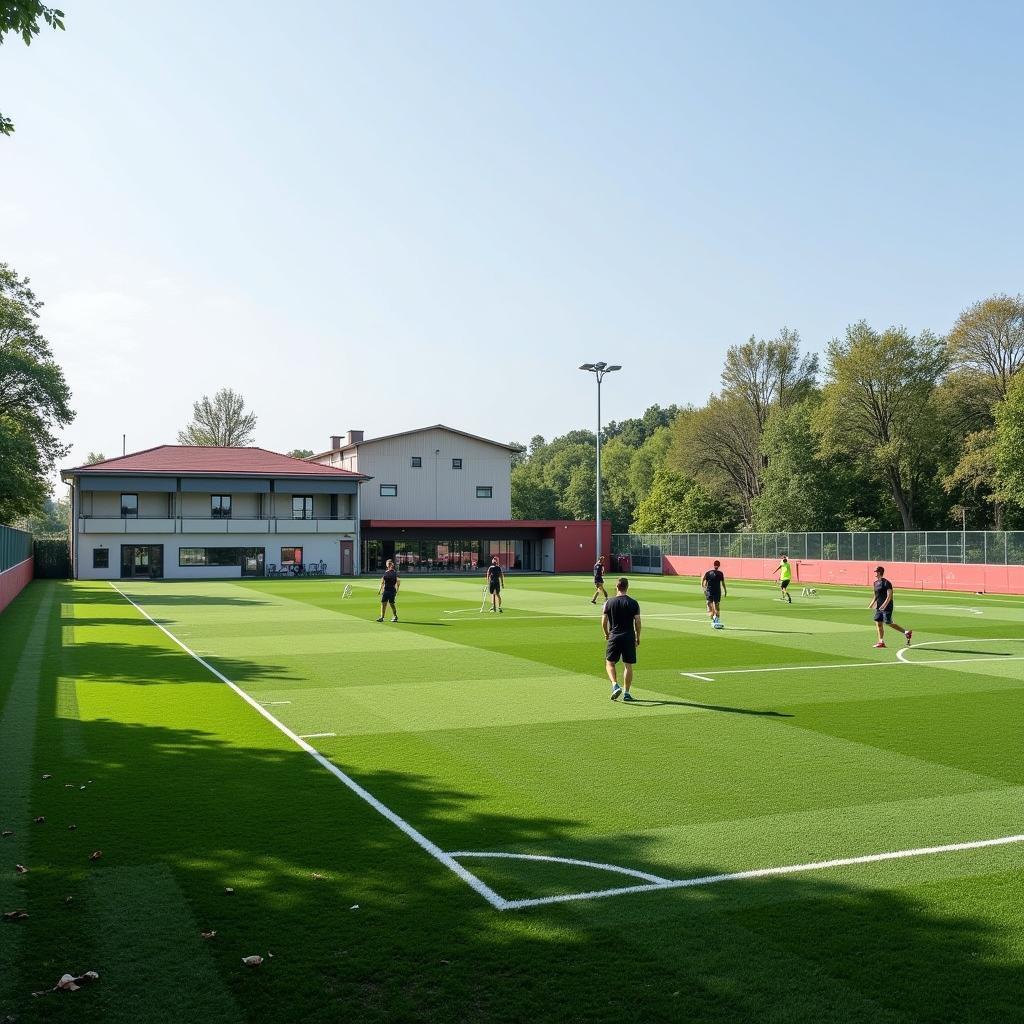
{"x": 713, "y": 583}
{"x": 495, "y": 581}
{"x": 620, "y": 620}
{"x": 388, "y": 590}
{"x": 599, "y": 580}
{"x": 883, "y": 605}
{"x": 785, "y": 571}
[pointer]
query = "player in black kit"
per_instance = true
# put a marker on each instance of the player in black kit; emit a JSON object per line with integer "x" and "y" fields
{"x": 388, "y": 590}
{"x": 495, "y": 581}
{"x": 620, "y": 621}
{"x": 599, "y": 581}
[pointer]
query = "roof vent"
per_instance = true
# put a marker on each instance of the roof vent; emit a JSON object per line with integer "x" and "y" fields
{"x": 335, "y": 442}
{"x": 353, "y": 437}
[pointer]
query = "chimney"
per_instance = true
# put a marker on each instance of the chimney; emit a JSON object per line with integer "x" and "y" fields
{"x": 353, "y": 437}
{"x": 335, "y": 442}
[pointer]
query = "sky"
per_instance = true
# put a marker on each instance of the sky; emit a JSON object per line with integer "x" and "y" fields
{"x": 383, "y": 216}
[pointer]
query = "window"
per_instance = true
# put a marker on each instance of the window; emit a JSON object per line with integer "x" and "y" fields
{"x": 220, "y": 556}
{"x": 129, "y": 506}
{"x": 101, "y": 558}
{"x": 302, "y": 506}
{"x": 485, "y": 492}
{"x": 417, "y": 462}
{"x": 191, "y": 556}
{"x": 389, "y": 490}
{"x": 456, "y": 463}
{"x": 291, "y": 556}
{"x": 220, "y": 506}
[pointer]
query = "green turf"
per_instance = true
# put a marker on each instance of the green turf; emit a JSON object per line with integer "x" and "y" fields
{"x": 495, "y": 733}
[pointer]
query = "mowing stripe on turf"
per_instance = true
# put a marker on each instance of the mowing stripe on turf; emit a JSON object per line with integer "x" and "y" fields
{"x": 414, "y": 834}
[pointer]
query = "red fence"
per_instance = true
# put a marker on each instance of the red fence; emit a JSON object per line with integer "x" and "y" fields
{"x": 990, "y": 579}
{"x": 14, "y": 581}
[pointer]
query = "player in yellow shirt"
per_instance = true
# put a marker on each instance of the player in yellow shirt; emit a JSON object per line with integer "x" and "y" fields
{"x": 785, "y": 571}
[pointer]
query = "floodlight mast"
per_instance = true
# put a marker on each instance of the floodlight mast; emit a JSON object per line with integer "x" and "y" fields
{"x": 598, "y": 370}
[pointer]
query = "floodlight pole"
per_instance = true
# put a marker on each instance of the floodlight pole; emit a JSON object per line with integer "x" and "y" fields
{"x": 598, "y": 370}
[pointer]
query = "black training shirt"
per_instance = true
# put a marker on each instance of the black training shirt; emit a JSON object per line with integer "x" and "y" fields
{"x": 882, "y": 589}
{"x": 598, "y": 570}
{"x": 713, "y": 579}
{"x": 621, "y": 610}
{"x": 494, "y": 573}
{"x": 390, "y": 579}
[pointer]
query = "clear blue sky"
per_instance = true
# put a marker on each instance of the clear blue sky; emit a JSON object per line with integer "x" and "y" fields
{"x": 381, "y": 216}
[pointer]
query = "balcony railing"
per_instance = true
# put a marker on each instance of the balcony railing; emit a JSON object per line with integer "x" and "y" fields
{"x": 213, "y": 524}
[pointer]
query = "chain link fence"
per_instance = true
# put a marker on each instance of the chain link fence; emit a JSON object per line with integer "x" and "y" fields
{"x": 642, "y": 552}
{"x": 15, "y": 547}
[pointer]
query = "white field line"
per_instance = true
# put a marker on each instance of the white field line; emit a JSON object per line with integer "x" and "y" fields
{"x": 926, "y": 644}
{"x": 317, "y": 735}
{"x": 584, "y": 615}
{"x": 496, "y": 901}
{"x": 271, "y": 703}
{"x": 646, "y": 876}
{"x": 789, "y": 869}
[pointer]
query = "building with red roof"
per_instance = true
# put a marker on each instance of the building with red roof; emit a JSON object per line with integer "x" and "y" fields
{"x": 179, "y": 511}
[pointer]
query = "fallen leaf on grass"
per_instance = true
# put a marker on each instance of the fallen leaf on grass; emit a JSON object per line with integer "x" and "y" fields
{"x": 70, "y": 983}
{"x": 229, "y": 890}
{"x": 71, "y": 828}
{"x": 69, "y": 899}
{"x": 21, "y": 869}
{"x": 47, "y": 776}
{"x": 95, "y": 855}
{"x": 41, "y": 820}
{"x": 208, "y": 935}
{"x": 316, "y": 874}
{"x": 355, "y": 906}
{"x": 6, "y": 832}
{"x": 252, "y": 961}
{"x": 15, "y": 915}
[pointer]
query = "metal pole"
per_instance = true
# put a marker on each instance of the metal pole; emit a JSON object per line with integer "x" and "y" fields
{"x": 598, "y": 544}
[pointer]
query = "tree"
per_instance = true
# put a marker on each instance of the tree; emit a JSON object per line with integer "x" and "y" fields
{"x": 677, "y": 504}
{"x": 767, "y": 373}
{"x": 93, "y": 457}
{"x": 532, "y": 498}
{"x": 987, "y": 342}
{"x": 221, "y": 422}
{"x": 635, "y": 432}
{"x": 1009, "y": 442}
{"x": 34, "y": 401}
{"x": 720, "y": 447}
{"x": 879, "y": 409}
{"x": 51, "y": 521}
{"x": 22, "y": 17}
{"x": 301, "y": 453}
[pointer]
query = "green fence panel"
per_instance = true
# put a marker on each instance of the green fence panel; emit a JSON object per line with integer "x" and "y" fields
{"x": 15, "y": 547}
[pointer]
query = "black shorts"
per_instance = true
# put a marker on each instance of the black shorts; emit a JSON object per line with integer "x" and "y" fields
{"x": 623, "y": 647}
{"x": 884, "y": 616}
{"x": 494, "y": 587}
{"x": 388, "y": 596}
{"x": 713, "y": 596}
{"x": 599, "y": 582}
{"x": 783, "y": 584}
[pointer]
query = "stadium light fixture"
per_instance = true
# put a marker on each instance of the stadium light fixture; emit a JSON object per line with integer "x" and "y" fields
{"x": 598, "y": 370}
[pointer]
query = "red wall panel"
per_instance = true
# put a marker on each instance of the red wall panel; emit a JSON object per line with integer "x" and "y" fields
{"x": 13, "y": 581}
{"x": 993, "y": 579}
{"x": 574, "y": 545}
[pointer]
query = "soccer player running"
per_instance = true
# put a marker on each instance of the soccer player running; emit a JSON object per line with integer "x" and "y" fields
{"x": 620, "y": 620}
{"x": 599, "y": 580}
{"x": 713, "y": 583}
{"x": 785, "y": 571}
{"x": 388, "y": 590}
{"x": 495, "y": 581}
{"x": 883, "y": 604}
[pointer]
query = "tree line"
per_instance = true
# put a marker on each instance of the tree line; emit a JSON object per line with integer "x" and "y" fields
{"x": 888, "y": 431}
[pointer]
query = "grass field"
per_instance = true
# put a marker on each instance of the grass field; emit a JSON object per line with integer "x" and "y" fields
{"x": 356, "y": 854}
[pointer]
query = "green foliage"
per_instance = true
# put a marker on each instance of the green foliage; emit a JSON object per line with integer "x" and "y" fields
{"x": 23, "y": 17}
{"x": 34, "y": 401}
{"x": 1009, "y": 442}
{"x": 51, "y": 521}
{"x": 879, "y": 407}
{"x": 220, "y": 422}
{"x": 677, "y": 504}
{"x": 635, "y": 432}
{"x": 301, "y": 453}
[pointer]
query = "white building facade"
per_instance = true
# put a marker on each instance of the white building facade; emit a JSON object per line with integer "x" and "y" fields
{"x": 434, "y": 473}
{"x": 180, "y": 512}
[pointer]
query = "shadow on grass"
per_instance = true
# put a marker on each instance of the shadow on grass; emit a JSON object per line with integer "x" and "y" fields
{"x": 711, "y": 707}
{"x": 214, "y": 799}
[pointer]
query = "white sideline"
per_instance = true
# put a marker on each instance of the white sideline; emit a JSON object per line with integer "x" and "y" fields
{"x": 317, "y": 735}
{"x": 417, "y": 837}
{"x": 573, "y": 861}
{"x": 789, "y": 869}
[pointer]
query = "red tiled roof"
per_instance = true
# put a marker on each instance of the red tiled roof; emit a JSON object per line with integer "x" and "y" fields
{"x": 186, "y": 459}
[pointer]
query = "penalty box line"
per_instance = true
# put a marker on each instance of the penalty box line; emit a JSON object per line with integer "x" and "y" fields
{"x": 496, "y": 901}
